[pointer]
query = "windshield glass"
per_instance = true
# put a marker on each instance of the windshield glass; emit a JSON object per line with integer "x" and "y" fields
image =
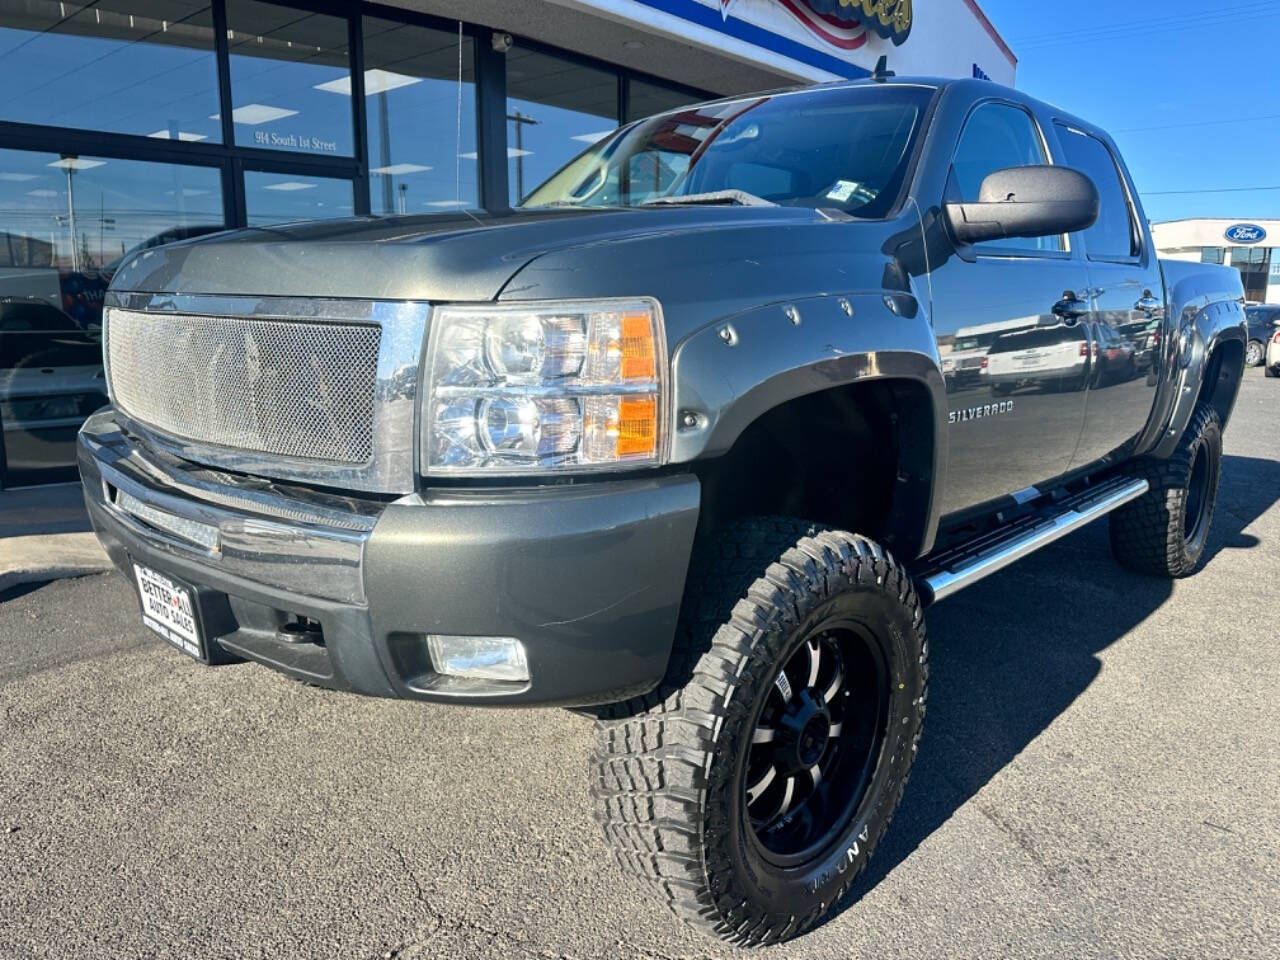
{"x": 845, "y": 148}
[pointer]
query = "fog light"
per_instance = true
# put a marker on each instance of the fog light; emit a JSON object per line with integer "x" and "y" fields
{"x": 478, "y": 658}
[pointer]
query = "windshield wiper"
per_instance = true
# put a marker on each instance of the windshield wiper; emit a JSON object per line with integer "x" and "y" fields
{"x": 738, "y": 198}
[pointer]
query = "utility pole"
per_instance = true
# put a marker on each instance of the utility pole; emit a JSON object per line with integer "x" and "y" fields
{"x": 520, "y": 119}
{"x": 71, "y": 214}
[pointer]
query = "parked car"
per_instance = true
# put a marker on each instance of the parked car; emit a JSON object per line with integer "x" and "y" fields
{"x": 671, "y": 443}
{"x": 51, "y": 378}
{"x": 1262, "y": 318}
{"x": 1273, "y": 351}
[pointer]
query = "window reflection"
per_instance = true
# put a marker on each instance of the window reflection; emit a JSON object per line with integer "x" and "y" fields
{"x": 290, "y": 79}
{"x": 422, "y": 120}
{"x": 555, "y": 110}
{"x": 644, "y": 99}
{"x": 66, "y": 224}
{"x": 142, "y": 67}
{"x": 284, "y": 197}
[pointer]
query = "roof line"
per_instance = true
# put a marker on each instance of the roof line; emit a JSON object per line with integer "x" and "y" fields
{"x": 992, "y": 31}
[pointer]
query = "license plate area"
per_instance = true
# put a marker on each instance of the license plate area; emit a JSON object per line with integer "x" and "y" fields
{"x": 169, "y": 608}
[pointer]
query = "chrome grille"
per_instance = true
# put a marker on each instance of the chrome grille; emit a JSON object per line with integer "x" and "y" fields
{"x": 288, "y": 388}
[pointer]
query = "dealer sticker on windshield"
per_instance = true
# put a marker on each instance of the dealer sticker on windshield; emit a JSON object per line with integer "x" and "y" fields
{"x": 167, "y": 609}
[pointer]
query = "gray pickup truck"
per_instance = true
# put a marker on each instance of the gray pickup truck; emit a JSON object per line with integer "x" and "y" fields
{"x": 673, "y": 443}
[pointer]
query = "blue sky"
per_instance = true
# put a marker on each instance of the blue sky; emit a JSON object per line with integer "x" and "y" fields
{"x": 1163, "y": 77}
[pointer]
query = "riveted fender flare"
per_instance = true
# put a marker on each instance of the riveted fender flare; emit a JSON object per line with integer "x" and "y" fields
{"x": 1204, "y": 317}
{"x": 729, "y": 373}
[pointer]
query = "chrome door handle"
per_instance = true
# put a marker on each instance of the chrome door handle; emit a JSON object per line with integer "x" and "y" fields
{"x": 1070, "y": 310}
{"x": 1148, "y": 305}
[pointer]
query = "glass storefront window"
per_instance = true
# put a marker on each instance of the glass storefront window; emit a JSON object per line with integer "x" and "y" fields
{"x": 420, "y": 101}
{"x": 555, "y": 109}
{"x": 644, "y": 99}
{"x": 284, "y": 197}
{"x": 290, "y": 79}
{"x": 66, "y": 224}
{"x": 144, "y": 67}
{"x": 1212, "y": 254}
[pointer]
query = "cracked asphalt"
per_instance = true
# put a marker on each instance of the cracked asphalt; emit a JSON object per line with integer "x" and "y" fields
{"x": 1100, "y": 777}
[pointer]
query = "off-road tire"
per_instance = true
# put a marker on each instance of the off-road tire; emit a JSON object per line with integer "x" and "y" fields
{"x": 1255, "y": 354}
{"x": 668, "y": 768}
{"x": 1152, "y": 534}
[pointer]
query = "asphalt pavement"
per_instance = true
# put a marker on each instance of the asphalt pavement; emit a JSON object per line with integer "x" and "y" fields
{"x": 1100, "y": 777}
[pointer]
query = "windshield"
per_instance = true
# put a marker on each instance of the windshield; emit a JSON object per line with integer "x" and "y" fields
{"x": 844, "y": 148}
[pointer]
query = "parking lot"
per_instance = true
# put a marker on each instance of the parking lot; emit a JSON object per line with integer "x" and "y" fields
{"x": 1100, "y": 776}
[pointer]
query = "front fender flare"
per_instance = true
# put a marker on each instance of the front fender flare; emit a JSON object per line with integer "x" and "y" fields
{"x": 728, "y": 374}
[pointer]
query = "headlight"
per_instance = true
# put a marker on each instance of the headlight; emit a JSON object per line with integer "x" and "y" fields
{"x": 514, "y": 388}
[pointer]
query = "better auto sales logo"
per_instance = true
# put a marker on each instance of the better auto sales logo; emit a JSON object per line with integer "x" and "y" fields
{"x": 844, "y": 23}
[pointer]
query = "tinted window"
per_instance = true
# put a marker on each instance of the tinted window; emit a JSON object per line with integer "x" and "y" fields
{"x": 997, "y": 136}
{"x": 144, "y": 67}
{"x": 282, "y": 197}
{"x": 419, "y": 85}
{"x": 843, "y": 148}
{"x": 1036, "y": 338}
{"x": 555, "y": 108}
{"x": 1113, "y": 235}
{"x": 290, "y": 79}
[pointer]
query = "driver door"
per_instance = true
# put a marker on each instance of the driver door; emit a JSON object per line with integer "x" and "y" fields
{"x": 1014, "y": 424}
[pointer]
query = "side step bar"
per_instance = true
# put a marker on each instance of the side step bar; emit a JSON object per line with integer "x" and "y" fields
{"x": 962, "y": 566}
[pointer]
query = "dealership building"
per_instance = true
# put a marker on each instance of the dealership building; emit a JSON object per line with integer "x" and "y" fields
{"x": 126, "y": 123}
{"x": 1251, "y": 246}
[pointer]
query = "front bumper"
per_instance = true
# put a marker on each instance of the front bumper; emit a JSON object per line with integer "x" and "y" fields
{"x": 588, "y": 576}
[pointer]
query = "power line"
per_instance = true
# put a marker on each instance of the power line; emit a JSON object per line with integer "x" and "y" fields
{"x": 1198, "y": 123}
{"x": 1104, "y": 34}
{"x": 1248, "y": 7}
{"x": 1176, "y": 193}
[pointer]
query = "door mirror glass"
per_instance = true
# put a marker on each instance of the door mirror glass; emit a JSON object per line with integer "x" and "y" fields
{"x": 1030, "y": 201}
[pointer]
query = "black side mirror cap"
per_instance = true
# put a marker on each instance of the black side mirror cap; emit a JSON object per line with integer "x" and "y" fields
{"x": 1031, "y": 201}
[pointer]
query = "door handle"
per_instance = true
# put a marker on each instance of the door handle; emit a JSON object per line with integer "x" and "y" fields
{"x": 1070, "y": 309}
{"x": 1148, "y": 304}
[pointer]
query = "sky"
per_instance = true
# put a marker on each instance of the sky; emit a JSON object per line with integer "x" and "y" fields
{"x": 1190, "y": 92}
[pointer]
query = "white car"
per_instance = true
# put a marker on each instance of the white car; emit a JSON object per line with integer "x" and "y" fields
{"x": 1054, "y": 357}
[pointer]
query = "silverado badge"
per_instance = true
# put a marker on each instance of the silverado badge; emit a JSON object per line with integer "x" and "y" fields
{"x": 986, "y": 410}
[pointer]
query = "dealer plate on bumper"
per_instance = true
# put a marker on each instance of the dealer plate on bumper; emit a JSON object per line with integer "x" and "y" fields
{"x": 169, "y": 609}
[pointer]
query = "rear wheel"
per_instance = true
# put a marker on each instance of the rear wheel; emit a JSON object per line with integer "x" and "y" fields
{"x": 751, "y": 789}
{"x": 1164, "y": 532}
{"x": 1254, "y": 354}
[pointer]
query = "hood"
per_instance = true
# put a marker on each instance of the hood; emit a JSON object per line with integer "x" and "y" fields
{"x": 440, "y": 258}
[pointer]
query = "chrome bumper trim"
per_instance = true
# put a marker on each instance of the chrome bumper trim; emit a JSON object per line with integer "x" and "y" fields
{"x": 309, "y": 555}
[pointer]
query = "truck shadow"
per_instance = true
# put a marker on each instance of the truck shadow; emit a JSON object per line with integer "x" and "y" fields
{"x": 1009, "y": 655}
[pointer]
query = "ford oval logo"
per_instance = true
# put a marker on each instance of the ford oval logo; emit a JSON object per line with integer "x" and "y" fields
{"x": 1246, "y": 233}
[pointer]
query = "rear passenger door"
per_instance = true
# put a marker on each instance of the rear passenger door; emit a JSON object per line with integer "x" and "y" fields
{"x": 1016, "y": 423}
{"x": 1127, "y": 292}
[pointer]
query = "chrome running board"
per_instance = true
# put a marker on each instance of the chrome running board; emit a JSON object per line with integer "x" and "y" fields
{"x": 959, "y": 567}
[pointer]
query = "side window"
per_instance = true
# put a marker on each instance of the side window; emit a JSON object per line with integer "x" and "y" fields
{"x": 997, "y": 136}
{"x": 1113, "y": 235}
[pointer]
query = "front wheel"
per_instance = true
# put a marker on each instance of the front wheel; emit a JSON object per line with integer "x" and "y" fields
{"x": 1254, "y": 354}
{"x": 752, "y": 788}
{"x": 1164, "y": 532}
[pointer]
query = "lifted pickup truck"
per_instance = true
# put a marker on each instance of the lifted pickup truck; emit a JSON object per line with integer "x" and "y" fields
{"x": 673, "y": 442}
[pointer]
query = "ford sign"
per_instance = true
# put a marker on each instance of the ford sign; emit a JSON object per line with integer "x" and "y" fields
{"x": 1246, "y": 233}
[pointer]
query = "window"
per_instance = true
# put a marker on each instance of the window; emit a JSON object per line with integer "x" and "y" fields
{"x": 842, "y": 148}
{"x": 284, "y": 197}
{"x": 997, "y": 136}
{"x": 420, "y": 100}
{"x": 1113, "y": 236}
{"x": 143, "y": 67}
{"x": 290, "y": 79}
{"x": 555, "y": 109}
{"x": 66, "y": 224}
{"x": 644, "y": 99}
{"x": 1212, "y": 255}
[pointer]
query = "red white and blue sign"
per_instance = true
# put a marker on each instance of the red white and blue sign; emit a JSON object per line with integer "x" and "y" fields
{"x": 846, "y": 24}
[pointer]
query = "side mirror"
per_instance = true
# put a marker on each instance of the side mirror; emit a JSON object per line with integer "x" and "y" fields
{"x": 1034, "y": 201}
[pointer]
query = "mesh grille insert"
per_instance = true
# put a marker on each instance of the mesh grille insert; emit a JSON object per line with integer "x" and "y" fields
{"x": 296, "y": 389}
